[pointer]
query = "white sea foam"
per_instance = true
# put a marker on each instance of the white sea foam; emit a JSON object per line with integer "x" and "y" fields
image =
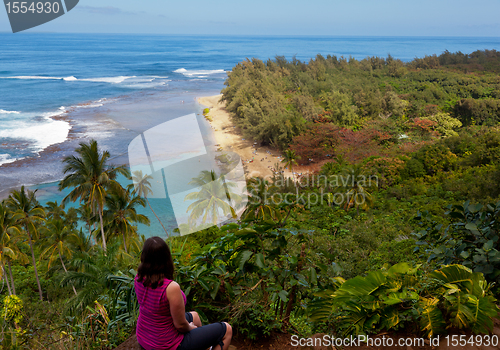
{"x": 33, "y": 77}
{"x": 2, "y": 111}
{"x": 90, "y": 105}
{"x": 43, "y": 133}
{"x": 111, "y": 80}
{"x": 199, "y": 73}
{"x": 144, "y": 85}
{"x": 6, "y": 159}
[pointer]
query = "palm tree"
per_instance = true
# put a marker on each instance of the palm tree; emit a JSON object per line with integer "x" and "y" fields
{"x": 339, "y": 162}
{"x": 355, "y": 188}
{"x": 57, "y": 238}
{"x": 54, "y": 211}
{"x": 6, "y": 227}
{"x": 86, "y": 214}
{"x": 122, "y": 215}
{"x": 290, "y": 159}
{"x": 329, "y": 168}
{"x": 212, "y": 198}
{"x": 81, "y": 242}
{"x": 17, "y": 255}
{"x": 25, "y": 206}
{"x": 10, "y": 234}
{"x": 143, "y": 189}
{"x": 92, "y": 177}
{"x": 260, "y": 200}
{"x": 89, "y": 273}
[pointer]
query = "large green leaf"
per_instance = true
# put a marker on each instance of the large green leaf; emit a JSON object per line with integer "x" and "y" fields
{"x": 215, "y": 289}
{"x": 356, "y": 320}
{"x": 398, "y": 298}
{"x": 401, "y": 268}
{"x": 243, "y": 257}
{"x": 431, "y": 319}
{"x": 390, "y": 318}
{"x": 363, "y": 285}
{"x": 482, "y": 309}
{"x": 283, "y": 296}
{"x": 259, "y": 260}
{"x": 460, "y": 314}
{"x": 454, "y": 274}
{"x": 320, "y": 309}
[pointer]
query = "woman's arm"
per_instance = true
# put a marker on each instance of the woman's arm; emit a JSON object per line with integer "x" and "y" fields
{"x": 177, "y": 308}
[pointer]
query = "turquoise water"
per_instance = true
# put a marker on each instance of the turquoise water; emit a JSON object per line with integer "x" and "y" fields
{"x": 57, "y": 90}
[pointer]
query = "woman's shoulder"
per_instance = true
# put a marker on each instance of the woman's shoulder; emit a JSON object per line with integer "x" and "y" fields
{"x": 172, "y": 285}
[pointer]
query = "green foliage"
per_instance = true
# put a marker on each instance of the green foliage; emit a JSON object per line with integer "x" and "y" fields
{"x": 393, "y": 252}
{"x": 378, "y": 117}
{"x": 339, "y": 108}
{"x": 92, "y": 179}
{"x": 472, "y": 239}
{"x": 274, "y": 101}
{"x": 124, "y": 307}
{"x": 256, "y": 269}
{"x": 486, "y": 150}
{"x": 255, "y": 321}
{"x": 432, "y": 159}
{"x": 465, "y": 297}
{"x": 12, "y": 309}
{"x": 380, "y": 300}
{"x": 445, "y": 124}
{"x": 473, "y": 111}
{"x": 390, "y": 299}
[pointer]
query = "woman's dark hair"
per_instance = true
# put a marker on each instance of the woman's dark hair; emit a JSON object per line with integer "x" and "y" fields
{"x": 156, "y": 263}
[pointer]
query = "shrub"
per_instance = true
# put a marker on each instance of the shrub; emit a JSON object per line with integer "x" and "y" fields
{"x": 402, "y": 297}
{"x": 472, "y": 239}
{"x": 445, "y": 124}
{"x": 435, "y": 158}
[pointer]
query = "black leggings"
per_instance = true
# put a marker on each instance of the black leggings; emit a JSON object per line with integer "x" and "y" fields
{"x": 202, "y": 338}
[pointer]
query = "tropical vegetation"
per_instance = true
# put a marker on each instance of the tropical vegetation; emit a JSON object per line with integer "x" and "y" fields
{"x": 397, "y": 231}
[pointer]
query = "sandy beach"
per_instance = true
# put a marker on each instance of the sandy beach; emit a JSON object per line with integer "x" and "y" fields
{"x": 257, "y": 160}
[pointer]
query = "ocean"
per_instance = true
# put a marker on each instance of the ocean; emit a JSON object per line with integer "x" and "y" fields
{"x": 57, "y": 90}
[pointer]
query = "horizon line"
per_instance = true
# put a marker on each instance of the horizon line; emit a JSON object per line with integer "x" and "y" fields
{"x": 258, "y": 35}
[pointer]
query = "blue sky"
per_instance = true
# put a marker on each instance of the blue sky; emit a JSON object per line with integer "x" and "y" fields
{"x": 272, "y": 17}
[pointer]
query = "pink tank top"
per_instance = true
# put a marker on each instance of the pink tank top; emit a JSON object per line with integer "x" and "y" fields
{"x": 155, "y": 326}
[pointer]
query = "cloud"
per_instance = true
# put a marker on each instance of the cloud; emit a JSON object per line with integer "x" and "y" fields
{"x": 107, "y": 10}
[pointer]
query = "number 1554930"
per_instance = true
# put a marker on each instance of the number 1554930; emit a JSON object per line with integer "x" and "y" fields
{"x": 474, "y": 340}
{"x": 32, "y": 7}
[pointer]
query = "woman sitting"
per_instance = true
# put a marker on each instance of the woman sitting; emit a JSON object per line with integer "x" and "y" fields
{"x": 163, "y": 323}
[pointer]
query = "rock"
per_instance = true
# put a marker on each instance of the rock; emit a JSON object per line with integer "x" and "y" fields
{"x": 130, "y": 344}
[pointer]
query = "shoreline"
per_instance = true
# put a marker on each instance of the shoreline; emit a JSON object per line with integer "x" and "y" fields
{"x": 112, "y": 124}
{"x": 257, "y": 160}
